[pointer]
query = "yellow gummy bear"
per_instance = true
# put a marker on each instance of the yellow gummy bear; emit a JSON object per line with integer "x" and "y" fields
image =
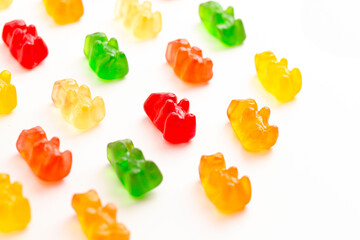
{"x": 5, "y": 4}
{"x": 14, "y": 208}
{"x": 252, "y": 126}
{"x": 276, "y": 77}
{"x": 228, "y": 193}
{"x": 139, "y": 19}
{"x": 64, "y": 11}
{"x": 8, "y": 99}
{"x": 76, "y": 104}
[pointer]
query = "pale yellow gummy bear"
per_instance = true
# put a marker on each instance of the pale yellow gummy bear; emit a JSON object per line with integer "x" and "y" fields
{"x": 139, "y": 19}
{"x": 76, "y": 104}
{"x": 5, "y": 4}
{"x": 276, "y": 77}
{"x": 8, "y": 99}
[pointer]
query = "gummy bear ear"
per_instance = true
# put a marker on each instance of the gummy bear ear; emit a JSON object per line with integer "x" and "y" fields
{"x": 31, "y": 29}
{"x": 230, "y": 11}
{"x": 184, "y": 104}
{"x": 114, "y": 43}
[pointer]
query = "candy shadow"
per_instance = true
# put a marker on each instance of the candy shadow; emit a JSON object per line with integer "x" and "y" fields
{"x": 248, "y": 156}
{"x": 10, "y": 63}
{"x": 54, "y": 116}
{"x": 177, "y": 83}
{"x": 115, "y": 188}
{"x": 90, "y": 74}
{"x": 207, "y": 208}
{"x": 212, "y": 42}
{"x": 72, "y": 228}
{"x": 268, "y": 97}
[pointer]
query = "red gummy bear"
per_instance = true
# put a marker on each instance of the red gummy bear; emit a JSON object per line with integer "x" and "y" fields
{"x": 171, "y": 118}
{"x": 43, "y": 156}
{"x": 25, "y": 45}
{"x": 188, "y": 62}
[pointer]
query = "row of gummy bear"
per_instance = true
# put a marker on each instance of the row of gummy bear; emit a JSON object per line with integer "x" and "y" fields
{"x": 145, "y": 24}
{"x": 228, "y": 193}
{"x": 138, "y": 175}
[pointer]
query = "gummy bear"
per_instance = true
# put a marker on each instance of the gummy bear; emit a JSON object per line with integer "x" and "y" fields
{"x": 171, "y": 118}
{"x": 104, "y": 56}
{"x": 138, "y": 175}
{"x": 43, "y": 156}
{"x": 14, "y": 208}
{"x": 139, "y": 19}
{"x": 8, "y": 99}
{"x": 98, "y": 222}
{"x": 64, "y": 11}
{"x": 222, "y": 24}
{"x": 25, "y": 45}
{"x": 222, "y": 186}
{"x": 188, "y": 62}
{"x": 76, "y": 104}
{"x": 5, "y": 4}
{"x": 251, "y": 126}
{"x": 276, "y": 77}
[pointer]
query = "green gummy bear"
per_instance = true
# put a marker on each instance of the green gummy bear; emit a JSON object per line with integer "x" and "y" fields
{"x": 222, "y": 24}
{"x": 138, "y": 175}
{"x": 104, "y": 57}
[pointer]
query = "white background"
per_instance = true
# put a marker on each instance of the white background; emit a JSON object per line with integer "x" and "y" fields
{"x": 306, "y": 187}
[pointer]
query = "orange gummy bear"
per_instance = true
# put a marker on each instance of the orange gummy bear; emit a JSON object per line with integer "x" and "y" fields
{"x": 44, "y": 156}
{"x": 222, "y": 186}
{"x": 251, "y": 126}
{"x": 188, "y": 62}
{"x": 98, "y": 222}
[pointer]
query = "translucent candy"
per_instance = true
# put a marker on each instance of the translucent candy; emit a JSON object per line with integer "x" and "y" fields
{"x": 98, "y": 222}
{"x": 64, "y": 11}
{"x": 251, "y": 126}
{"x": 222, "y": 186}
{"x": 14, "y": 208}
{"x": 8, "y": 98}
{"x": 276, "y": 77}
{"x": 76, "y": 104}
{"x": 139, "y": 19}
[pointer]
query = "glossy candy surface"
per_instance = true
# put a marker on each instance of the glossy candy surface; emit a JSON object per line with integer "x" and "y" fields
{"x": 222, "y": 23}
{"x": 138, "y": 175}
{"x": 76, "y": 104}
{"x": 5, "y": 4}
{"x": 104, "y": 57}
{"x": 252, "y": 126}
{"x": 98, "y": 222}
{"x": 14, "y": 208}
{"x": 8, "y": 98}
{"x": 222, "y": 186}
{"x": 171, "y": 118}
{"x": 43, "y": 156}
{"x": 64, "y": 11}
{"x": 139, "y": 19}
{"x": 188, "y": 62}
{"x": 276, "y": 77}
{"x": 24, "y": 43}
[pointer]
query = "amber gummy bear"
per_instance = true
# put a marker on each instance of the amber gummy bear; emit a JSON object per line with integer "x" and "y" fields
{"x": 252, "y": 126}
{"x": 64, "y": 11}
{"x": 222, "y": 186}
{"x": 98, "y": 222}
